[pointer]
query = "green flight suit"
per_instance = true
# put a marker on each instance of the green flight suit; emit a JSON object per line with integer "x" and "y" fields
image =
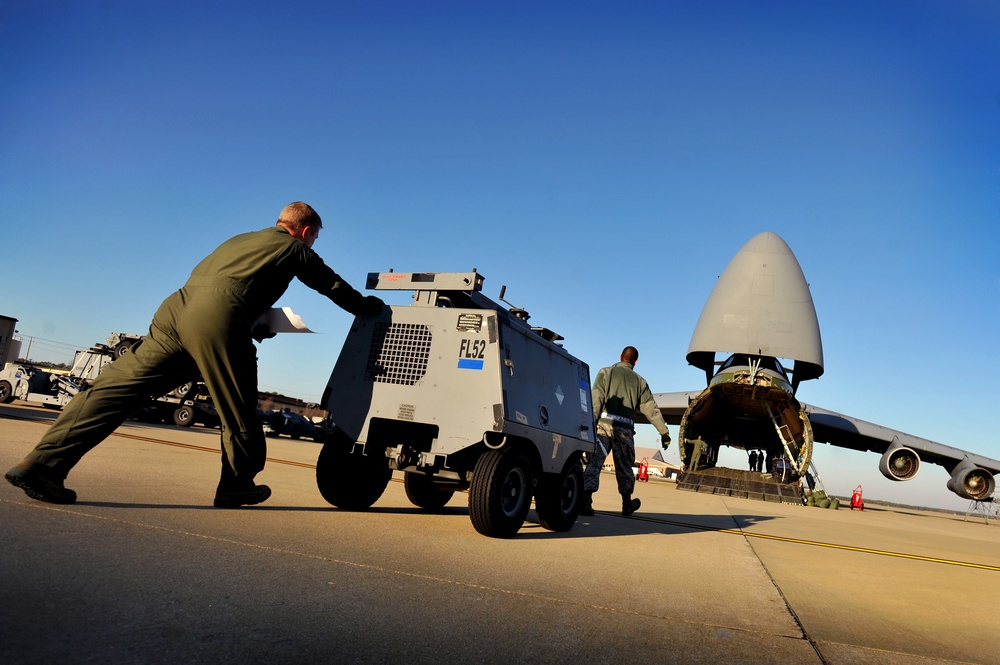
{"x": 203, "y": 328}
{"x": 617, "y": 394}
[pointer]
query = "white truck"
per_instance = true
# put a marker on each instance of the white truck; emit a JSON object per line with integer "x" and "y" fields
{"x": 458, "y": 393}
{"x": 183, "y": 406}
{"x": 31, "y": 384}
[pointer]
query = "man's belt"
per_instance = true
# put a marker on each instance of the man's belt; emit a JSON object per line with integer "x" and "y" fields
{"x": 622, "y": 420}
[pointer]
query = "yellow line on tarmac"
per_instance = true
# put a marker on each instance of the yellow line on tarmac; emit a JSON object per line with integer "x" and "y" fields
{"x": 816, "y": 543}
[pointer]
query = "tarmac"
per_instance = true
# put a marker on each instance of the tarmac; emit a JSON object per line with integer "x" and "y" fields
{"x": 142, "y": 569}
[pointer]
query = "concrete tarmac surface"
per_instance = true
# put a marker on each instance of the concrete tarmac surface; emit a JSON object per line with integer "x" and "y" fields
{"x": 142, "y": 569}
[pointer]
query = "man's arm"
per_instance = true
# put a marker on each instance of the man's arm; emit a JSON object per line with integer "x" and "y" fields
{"x": 598, "y": 393}
{"x": 322, "y": 279}
{"x": 648, "y": 407}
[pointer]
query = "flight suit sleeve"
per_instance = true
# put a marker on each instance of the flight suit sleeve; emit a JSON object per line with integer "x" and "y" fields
{"x": 648, "y": 407}
{"x": 598, "y": 393}
{"x": 318, "y": 276}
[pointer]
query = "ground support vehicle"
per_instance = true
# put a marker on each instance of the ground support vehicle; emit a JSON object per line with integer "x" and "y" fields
{"x": 184, "y": 405}
{"x": 31, "y": 384}
{"x": 458, "y": 393}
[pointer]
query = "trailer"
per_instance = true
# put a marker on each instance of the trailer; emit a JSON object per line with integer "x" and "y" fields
{"x": 458, "y": 393}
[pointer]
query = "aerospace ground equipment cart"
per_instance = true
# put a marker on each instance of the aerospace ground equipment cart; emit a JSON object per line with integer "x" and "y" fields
{"x": 458, "y": 393}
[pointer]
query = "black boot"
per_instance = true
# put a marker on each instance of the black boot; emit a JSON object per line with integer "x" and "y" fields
{"x": 629, "y": 505}
{"x": 40, "y": 483}
{"x": 587, "y": 503}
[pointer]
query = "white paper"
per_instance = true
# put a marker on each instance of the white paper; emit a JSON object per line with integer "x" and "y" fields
{"x": 282, "y": 320}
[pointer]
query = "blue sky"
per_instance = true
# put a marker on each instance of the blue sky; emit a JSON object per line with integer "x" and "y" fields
{"x": 602, "y": 160}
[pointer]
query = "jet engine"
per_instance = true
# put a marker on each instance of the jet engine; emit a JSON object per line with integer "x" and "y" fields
{"x": 971, "y": 482}
{"x": 899, "y": 462}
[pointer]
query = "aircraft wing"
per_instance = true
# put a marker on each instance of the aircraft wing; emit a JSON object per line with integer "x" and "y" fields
{"x": 847, "y": 432}
{"x": 672, "y": 406}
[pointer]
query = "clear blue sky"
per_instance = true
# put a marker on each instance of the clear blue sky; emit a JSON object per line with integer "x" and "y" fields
{"x": 604, "y": 160}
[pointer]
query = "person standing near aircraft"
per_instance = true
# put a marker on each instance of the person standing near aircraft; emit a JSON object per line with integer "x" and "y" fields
{"x": 206, "y": 327}
{"x": 618, "y": 394}
{"x": 697, "y": 449}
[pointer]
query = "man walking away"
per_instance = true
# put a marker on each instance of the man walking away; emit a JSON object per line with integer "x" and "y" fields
{"x": 618, "y": 394}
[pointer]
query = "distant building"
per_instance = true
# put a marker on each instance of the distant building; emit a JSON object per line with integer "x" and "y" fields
{"x": 6, "y": 337}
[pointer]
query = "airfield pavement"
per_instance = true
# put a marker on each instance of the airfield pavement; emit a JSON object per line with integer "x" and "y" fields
{"x": 143, "y": 570}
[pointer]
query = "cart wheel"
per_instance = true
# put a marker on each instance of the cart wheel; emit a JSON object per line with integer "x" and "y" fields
{"x": 6, "y": 392}
{"x": 557, "y": 502}
{"x": 184, "y": 416}
{"x": 424, "y": 492}
{"x": 122, "y": 348}
{"x": 351, "y": 480}
{"x": 500, "y": 494}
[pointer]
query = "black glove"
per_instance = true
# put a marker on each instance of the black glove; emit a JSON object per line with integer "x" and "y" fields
{"x": 371, "y": 306}
{"x": 665, "y": 440}
{"x": 260, "y": 331}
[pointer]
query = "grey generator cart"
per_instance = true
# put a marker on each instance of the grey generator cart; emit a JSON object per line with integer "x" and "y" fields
{"x": 458, "y": 393}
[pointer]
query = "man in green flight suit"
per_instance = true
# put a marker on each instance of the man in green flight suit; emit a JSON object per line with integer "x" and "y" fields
{"x": 205, "y": 328}
{"x": 618, "y": 393}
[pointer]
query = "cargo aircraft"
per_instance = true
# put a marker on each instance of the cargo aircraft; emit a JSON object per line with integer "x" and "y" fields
{"x": 759, "y": 312}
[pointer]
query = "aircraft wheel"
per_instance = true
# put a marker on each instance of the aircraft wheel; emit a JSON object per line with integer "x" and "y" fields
{"x": 500, "y": 494}
{"x": 6, "y": 392}
{"x": 184, "y": 416}
{"x": 349, "y": 479}
{"x": 557, "y": 502}
{"x": 424, "y": 492}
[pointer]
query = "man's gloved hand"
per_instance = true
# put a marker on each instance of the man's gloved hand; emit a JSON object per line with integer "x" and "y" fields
{"x": 372, "y": 305}
{"x": 665, "y": 440}
{"x": 261, "y": 331}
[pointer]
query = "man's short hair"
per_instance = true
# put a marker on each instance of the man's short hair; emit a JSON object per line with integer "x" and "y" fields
{"x": 630, "y": 354}
{"x": 296, "y": 215}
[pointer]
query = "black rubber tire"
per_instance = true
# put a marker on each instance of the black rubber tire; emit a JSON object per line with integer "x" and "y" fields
{"x": 351, "y": 480}
{"x": 557, "y": 502}
{"x": 500, "y": 494}
{"x": 6, "y": 392}
{"x": 183, "y": 390}
{"x": 184, "y": 416}
{"x": 424, "y": 493}
{"x": 123, "y": 347}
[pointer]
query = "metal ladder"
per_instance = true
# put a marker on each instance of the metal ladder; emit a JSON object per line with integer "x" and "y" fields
{"x": 782, "y": 429}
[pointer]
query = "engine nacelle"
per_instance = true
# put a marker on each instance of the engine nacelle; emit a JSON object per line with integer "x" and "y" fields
{"x": 971, "y": 482}
{"x": 899, "y": 463}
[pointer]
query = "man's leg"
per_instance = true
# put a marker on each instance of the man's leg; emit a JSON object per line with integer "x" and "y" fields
{"x": 227, "y": 359}
{"x": 623, "y": 446}
{"x": 153, "y": 367}
{"x": 592, "y": 474}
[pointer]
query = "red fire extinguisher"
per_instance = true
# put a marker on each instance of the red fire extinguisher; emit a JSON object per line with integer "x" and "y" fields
{"x": 643, "y": 471}
{"x": 856, "y": 501}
